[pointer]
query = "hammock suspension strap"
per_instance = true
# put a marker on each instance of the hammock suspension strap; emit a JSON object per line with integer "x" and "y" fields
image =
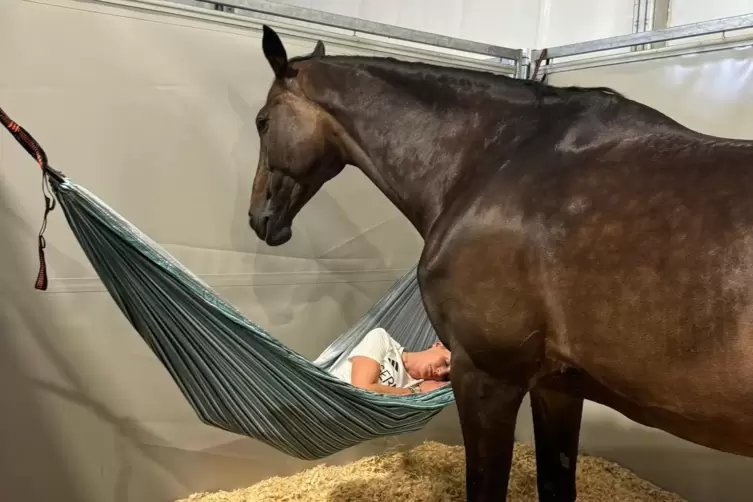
{"x": 34, "y": 149}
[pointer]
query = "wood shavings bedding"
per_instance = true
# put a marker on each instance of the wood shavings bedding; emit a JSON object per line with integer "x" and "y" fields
{"x": 434, "y": 472}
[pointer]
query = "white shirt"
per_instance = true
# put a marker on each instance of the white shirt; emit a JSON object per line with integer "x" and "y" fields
{"x": 381, "y": 347}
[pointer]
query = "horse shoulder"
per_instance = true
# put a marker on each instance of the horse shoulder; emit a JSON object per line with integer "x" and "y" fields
{"x": 481, "y": 247}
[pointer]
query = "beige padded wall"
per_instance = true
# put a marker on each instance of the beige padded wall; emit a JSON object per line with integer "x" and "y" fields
{"x": 155, "y": 114}
{"x": 712, "y": 93}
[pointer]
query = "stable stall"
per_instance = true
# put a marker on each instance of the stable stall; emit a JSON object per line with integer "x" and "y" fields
{"x": 151, "y": 106}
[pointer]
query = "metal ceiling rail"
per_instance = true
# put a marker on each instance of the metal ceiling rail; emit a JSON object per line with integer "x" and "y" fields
{"x": 346, "y": 39}
{"x": 662, "y": 35}
{"x": 703, "y": 47}
{"x": 370, "y": 27}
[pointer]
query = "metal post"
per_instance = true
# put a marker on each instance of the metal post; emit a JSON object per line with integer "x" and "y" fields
{"x": 649, "y": 15}
{"x": 659, "y": 20}
{"x": 637, "y": 15}
{"x": 523, "y": 64}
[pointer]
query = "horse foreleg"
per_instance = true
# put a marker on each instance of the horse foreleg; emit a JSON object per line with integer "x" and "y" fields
{"x": 556, "y": 426}
{"x": 487, "y": 408}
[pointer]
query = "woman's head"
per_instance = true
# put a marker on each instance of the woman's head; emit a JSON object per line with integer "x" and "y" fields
{"x": 430, "y": 364}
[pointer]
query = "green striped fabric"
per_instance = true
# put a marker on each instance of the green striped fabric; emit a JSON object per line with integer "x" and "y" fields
{"x": 235, "y": 375}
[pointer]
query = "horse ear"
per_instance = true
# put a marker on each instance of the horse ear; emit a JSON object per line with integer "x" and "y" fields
{"x": 274, "y": 51}
{"x": 318, "y": 50}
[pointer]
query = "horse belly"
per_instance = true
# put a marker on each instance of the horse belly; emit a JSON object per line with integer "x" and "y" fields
{"x": 674, "y": 406}
{"x": 659, "y": 342}
{"x": 674, "y": 379}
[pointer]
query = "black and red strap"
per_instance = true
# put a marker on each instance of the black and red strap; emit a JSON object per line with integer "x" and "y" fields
{"x": 35, "y": 150}
{"x": 537, "y": 65}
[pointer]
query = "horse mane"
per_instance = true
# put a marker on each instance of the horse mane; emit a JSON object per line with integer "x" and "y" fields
{"x": 412, "y": 76}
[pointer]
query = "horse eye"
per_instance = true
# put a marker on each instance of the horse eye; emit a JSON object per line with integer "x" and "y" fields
{"x": 262, "y": 123}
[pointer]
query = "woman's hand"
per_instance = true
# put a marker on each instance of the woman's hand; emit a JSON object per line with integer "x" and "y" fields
{"x": 429, "y": 385}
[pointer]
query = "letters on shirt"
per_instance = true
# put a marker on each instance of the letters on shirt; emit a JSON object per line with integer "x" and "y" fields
{"x": 387, "y": 377}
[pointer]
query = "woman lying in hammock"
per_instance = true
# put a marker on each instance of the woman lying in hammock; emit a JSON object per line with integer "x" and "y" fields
{"x": 380, "y": 364}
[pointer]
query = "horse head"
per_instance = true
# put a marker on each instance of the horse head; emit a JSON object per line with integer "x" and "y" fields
{"x": 299, "y": 148}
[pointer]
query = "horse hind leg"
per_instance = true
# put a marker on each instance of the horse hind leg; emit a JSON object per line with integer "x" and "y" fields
{"x": 556, "y": 426}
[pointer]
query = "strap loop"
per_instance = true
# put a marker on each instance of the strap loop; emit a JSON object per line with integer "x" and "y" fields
{"x": 35, "y": 150}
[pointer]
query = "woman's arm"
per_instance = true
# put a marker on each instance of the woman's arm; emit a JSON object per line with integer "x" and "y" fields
{"x": 364, "y": 373}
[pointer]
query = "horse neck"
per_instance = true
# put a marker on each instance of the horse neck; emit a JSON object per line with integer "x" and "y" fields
{"x": 415, "y": 137}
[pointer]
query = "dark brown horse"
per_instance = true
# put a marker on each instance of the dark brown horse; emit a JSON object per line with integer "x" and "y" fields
{"x": 578, "y": 245}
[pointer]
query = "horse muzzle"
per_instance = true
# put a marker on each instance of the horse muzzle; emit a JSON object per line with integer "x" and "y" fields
{"x": 268, "y": 228}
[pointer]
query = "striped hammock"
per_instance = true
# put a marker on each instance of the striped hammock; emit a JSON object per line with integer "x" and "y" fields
{"x": 235, "y": 375}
